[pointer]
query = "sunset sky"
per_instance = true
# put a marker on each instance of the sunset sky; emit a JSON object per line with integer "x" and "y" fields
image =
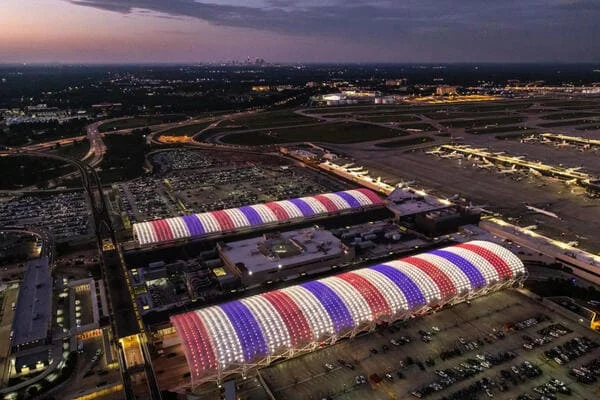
{"x": 109, "y": 31}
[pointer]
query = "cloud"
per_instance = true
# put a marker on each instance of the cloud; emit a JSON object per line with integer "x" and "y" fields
{"x": 480, "y": 24}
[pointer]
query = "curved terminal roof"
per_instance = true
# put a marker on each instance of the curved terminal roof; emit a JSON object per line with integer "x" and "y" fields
{"x": 198, "y": 225}
{"x": 250, "y": 331}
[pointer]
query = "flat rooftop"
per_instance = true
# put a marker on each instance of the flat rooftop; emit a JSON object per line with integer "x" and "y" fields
{"x": 269, "y": 251}
{"x": 404, "y": 202}
{"x": 34, "y": 303}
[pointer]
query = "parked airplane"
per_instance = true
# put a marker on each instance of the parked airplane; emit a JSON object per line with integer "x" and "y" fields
{"x": 435, "y": 151}
{"x": 511, "y": 170}
{"x": 542, "y": 211}
{"x": 535, "y": 172}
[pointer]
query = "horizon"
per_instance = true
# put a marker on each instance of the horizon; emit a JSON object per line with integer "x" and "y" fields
{"x": 282, "y": 31}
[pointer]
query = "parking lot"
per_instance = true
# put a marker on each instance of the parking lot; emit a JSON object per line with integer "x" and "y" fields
{"x": 64, "y": 214}
{"x": 487, "y": 337}
{"x": 195, "y": 181}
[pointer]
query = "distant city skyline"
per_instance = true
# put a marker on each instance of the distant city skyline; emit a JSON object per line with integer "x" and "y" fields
{"x": 188, "y": 31}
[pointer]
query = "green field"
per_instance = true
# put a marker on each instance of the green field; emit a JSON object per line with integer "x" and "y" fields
{"x": 422, "y": 126}
{"x": 74, "y": 151}
{"x": 185, "y": 130}
{"x": 405, "y": 142}
{"x": 498, "y": 129}
{"x": 340, "y": 132}
{"x": 31, "y": 171}
{"x": 589, "y": 127}
{"x": 268, "y": 119}
{"x": 568, "y": 123}
{"x": 140, "y": 121}
{"x": 514, "y": 136}
{"x": 388, "y": 117}
{"x": 464, "y": 115}
{"x": 472, "y": 123}
{"x": 570, "y": 115}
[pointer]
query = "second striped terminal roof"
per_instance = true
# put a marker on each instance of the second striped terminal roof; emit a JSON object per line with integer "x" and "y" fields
{"x": 249, "y": 330}
{"x": 198, "y": 225}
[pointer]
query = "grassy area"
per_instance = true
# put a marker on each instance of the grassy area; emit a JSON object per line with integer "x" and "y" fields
{"x": 342, "y": 132}
{"x": 269, "y": 119}
{"x": 74, "y": 151}
{"x": 472, "y": 123}
{"x": 513, "y": 136}
{"x": 140, "y": 121}
{"x": 124, "y": 158}
{"x": 588, "y": 127}
{"x": 388, "y": 118}
{"x": 406, "y": 142}
{"x": 512, "y": 106}
{"x": 186, "y": 130}
{"x": 464, "y": 115}
{"x": 570, "y": 115}
{"x": 30, "y": 171}
{"x": 498, "y": 129}
{"x": 568, "y": 123}
{"x": 39, "y": 132}
{"x": 422, "y": 126}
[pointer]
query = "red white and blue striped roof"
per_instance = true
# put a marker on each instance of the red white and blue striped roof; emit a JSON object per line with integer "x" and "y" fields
{"x": 248, "y": 331}
{"x": 214, "y": 222}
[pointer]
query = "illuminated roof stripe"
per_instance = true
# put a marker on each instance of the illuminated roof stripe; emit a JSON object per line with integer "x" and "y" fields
{"x": 279, "y": 211}
{"x": 474, "y": 275}
{"x": 227, "y": 345}
{"x": 315, "y": 205}
{"x": 515, "y": 264}
{"x": 350, "y": 199}
{"x": 265, "y": 213}
{"x": 409, "y": 289}
{"x": 318, "y": 319}
{"x": 194, "y": 225}
{"x": 247, "y": 329}
{"x": 271, "y": 322}
{"x": 203, "y": 346}
{"x": 223, "y": 219}
{"x": 359, "y": 196}
{"x": 339, "y": 202}
{"x": 306, "y": 210}
{"x": 377, "y": 303}
{"x": 291, "y": 209}
{"x": 393, "y": 295}
{"x": 315, "y": 313}
{"x": 487, "y": 270}
{"x": 294, "y": 319}
{"x": 503, "y": 269}
{"x": 162, "y": 234}
{"x": 251, "y": 215}
{"x": 329, "y": 205}
{"x": 178, "y": 228}
{"x": 430, "y": 290}
{"x": 238, "y": 218}
{"x": 338, "y": 311}
{"x": 371, "y": 195}
{"x": 356, "y": 304}
{"x": 442, "y": 280}
{"x": 460, "y": 280}
{"x": 209, "y": 222}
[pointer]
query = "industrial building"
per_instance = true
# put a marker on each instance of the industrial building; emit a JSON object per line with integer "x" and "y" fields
{"x": 33, "y": 315}
{"x": 284, "y": 256}
{"x": 239, "y": 335}
{"x": 215, "y": 223}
